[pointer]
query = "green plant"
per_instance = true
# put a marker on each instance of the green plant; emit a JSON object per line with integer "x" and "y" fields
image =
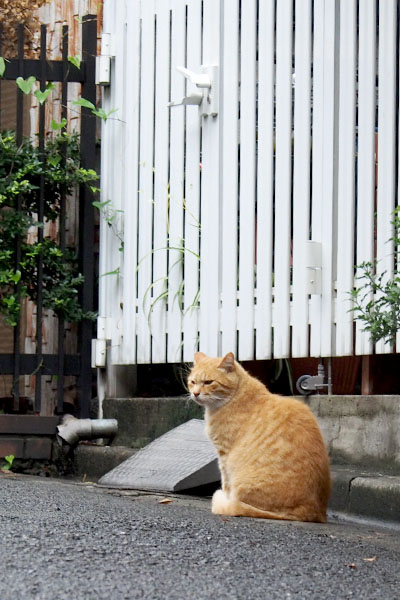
{"x": 22, "y": 167}
{"x": 110, "y": 215}
{"x": 159, "y": 290}
{"x": 376, "y": 302}
{"x": 9, "y": 461}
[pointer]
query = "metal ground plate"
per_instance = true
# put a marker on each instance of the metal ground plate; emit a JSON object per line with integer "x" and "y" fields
{"x": 181, "y": 459}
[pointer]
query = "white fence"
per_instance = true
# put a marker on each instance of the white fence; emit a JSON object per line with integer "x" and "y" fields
{"x": 218, "y": 211}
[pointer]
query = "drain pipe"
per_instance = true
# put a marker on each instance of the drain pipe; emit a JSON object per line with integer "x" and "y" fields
{"x": 72, "y": 430}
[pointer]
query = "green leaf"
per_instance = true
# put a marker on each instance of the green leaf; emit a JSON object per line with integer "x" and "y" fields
{"x": 57, "y": 126}
{"x": 85, "y": 103}
{"x": 103, "y": 114}
{"x": 115, "y": 272}
{"x": 100, "y": 205}
{"x": 75, "y": 60}
{"x": 10, "y": 459}
{"x": 16, "y": 277}
{"x": 25, "y": 85}
{"x": 2, "y": 66}
{"x": 54, "y": 160}
{"x": 42, "y": 96}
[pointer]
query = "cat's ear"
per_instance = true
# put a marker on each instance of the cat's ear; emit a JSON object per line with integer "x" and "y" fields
{"x": 227, "y": 363}
{"x": 198, "y": 357}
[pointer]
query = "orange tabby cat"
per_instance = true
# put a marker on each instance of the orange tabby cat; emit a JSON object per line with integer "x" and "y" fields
{"x": 272, "y": 458}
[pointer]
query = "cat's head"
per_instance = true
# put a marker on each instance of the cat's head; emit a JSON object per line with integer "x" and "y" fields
{"x": 212, "y": 382}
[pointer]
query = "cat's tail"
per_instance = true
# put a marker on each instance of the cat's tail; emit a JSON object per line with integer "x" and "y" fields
{"x": 223, "y": 505}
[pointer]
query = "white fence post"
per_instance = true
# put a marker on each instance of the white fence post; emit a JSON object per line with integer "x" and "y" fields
{"x": 210, "y": 208}
{"x": 323, "y": 172}
{"x": 247, "y": 190}
{"x": 301, "y": 176}
{"x": 346, "y": 170}
{"x": 366, "y": 149}
{"x": 192, "y": 192}
{"x": 283, "y": 178}
{"x": 386, "y": 144}
{"x": 265, "y": 177}
{"x": 229, "y": 175}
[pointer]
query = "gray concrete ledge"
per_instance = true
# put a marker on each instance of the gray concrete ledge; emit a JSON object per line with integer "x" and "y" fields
{"x": 365, "y": 494}
{"x": 142, "y": 420}
{"x": 362, "y": 434}
{"x": 360, "y": 430}
{"x": 91, "y": 461}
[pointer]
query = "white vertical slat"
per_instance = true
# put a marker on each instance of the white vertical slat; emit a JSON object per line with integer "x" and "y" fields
{"x": 117, "y": 127}
{"x": 145, "y": 181}
{"x": 323, "y": 170}
{"x": 386, "y": 142}
{"x": 192, "y": 189}
{"x": 317, "y": 156}
{"x": 329, "y": 173}
{"x": 177, "y": 136}
{"x": 301, "y": 177}
{"x": 229, "y": 175}
{"x": 247, "y": 186}
{"x": 131, "y": 184}
{"x": 158, "y": 320}
{"x": 283, "y": 169}
{"x": 346, "y": 187}
{"x": 265, "y": 175}
{"x": 106, "y": 157}
{"x": 210, "y": 213}
{"x": 366, "y": 149}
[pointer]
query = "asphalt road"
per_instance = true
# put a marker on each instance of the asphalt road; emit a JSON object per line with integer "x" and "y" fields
{"x": 66, "y": 541}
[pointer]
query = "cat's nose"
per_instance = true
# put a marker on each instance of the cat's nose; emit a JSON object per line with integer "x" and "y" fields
{"x": 196, "y": 394}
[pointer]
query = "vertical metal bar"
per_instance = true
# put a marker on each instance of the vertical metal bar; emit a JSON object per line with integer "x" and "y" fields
{"x": 86, "y": 212}
{"x": 19, "y": 132}
{"x": 330, "y": 386}
{"x": 39, "y": 303}
{"x": 61, "y": 324}
{"x": 1, "y": 54}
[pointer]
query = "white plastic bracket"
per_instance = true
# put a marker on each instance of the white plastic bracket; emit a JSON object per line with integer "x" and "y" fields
{"x": 314, "y": 267}
{"x": 207, "y": 98}
{"x": 99, "y": 352}
{"x": 103, "y": 62}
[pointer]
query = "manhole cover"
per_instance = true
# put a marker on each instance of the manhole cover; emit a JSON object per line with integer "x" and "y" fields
{"x": 181, "y": 459}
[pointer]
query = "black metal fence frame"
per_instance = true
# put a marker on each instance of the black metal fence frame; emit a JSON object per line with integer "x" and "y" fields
{"x": 64, "y": 72}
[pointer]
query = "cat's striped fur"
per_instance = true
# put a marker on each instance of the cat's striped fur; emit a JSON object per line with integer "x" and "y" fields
{"x": 272, "y": 457}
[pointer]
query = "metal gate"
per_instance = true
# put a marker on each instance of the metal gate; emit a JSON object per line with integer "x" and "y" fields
{"x": 60, "y": 364}
{"x": 244, "y": 211}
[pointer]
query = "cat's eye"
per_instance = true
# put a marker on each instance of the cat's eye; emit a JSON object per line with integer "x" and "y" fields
{"x": 192, "y": 382}
{"x": 209, "y": 382}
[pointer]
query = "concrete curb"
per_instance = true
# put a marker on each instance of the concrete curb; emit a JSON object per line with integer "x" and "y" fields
{"x": 364, "y": 494}
{"x": 355, "y": 493}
